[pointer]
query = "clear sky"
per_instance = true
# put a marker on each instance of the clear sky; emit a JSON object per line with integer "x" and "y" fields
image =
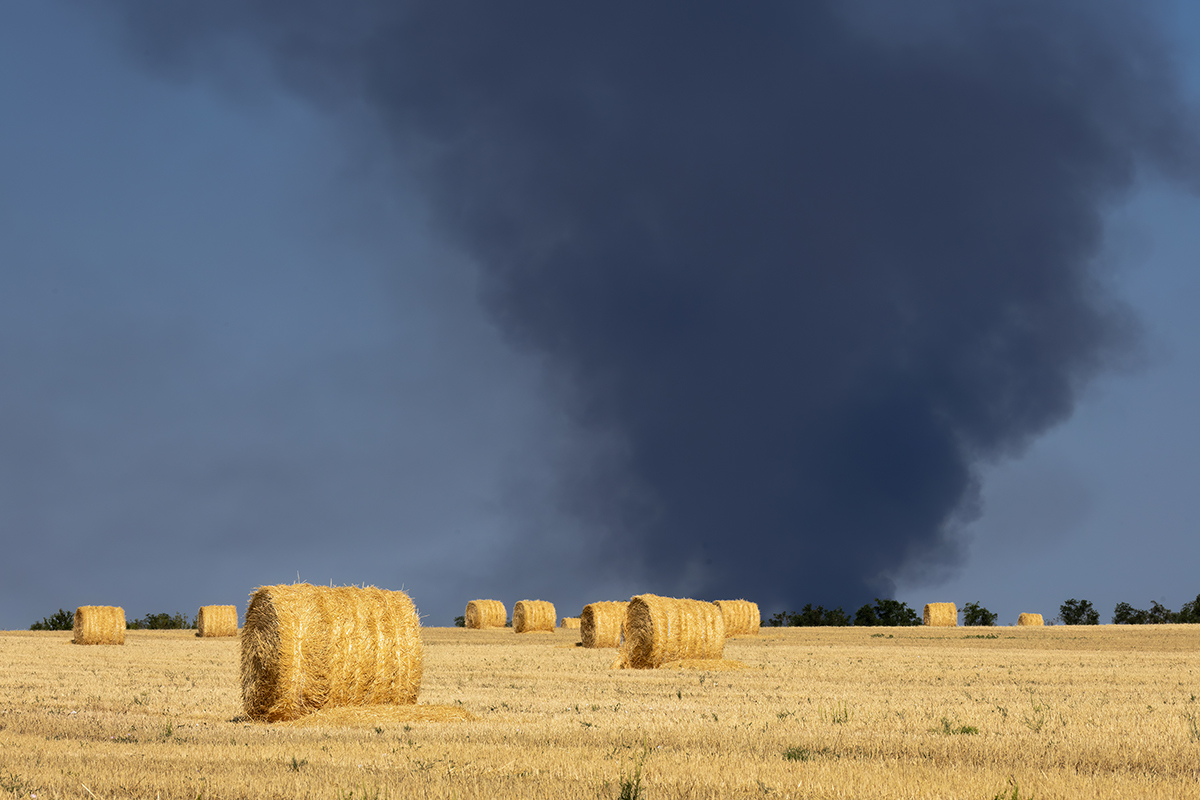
{"x": 254, "y": 327}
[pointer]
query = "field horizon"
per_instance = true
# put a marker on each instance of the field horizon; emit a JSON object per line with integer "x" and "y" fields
{"x": 1058, "y": 712}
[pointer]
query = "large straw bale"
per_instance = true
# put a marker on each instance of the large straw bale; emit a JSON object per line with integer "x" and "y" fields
{"x": 659, "y": 630}
{"x": 533, "y": 615}
{"x": 310, "y": 647}
{"x": 217, "y": 621}
{"x": 943, "y": 615}
{"x": 600, "y": 623}
{"x": 569, "y": 623}
{"x": 486, "y": 614}
{"x": 1030, "y": 619}
{"x": 741, "y": 617}
{"x": 99, "y": 625}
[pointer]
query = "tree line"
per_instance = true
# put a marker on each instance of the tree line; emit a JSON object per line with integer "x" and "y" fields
{"x": 896, "y": 613}
{"x": 62, "y": 620}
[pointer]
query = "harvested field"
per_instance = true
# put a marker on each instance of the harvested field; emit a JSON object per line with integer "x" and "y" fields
{"x": 816, "y": 713}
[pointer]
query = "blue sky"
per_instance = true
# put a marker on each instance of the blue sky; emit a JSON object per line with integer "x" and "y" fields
{"x": 235, "y": 349}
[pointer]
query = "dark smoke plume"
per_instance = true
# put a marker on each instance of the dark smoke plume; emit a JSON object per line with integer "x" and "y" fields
{"x": 811, "y": 263}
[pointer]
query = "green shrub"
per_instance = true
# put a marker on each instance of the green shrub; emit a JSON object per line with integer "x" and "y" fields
{"x": 1078, "y": 612}
{"x": 975, "y": 614}
{"x": 59, "y": 621}
{"x": 161, "y": 622}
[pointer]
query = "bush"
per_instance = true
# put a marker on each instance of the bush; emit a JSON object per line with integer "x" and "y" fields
{"x": 809, "y": 617}
{"x": 1158, "y": 614}
{"x": 161, "y": 622}
{"x": 59, "y": 621}
{"x": 975, "y": 614}
{"x": 1190, "y": 611}
{"x": 460, "y": 621}
{"x": 1078, "y": 612}
{"x": 890, "y": 613}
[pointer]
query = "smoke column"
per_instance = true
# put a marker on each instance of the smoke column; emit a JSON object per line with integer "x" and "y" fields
{"x": 807, "y": 265}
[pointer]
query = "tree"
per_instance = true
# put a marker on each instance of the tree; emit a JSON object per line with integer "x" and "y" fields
{"x": 460, "y": 621}
{"x": 1078, "y": 612}
{"x": 809, "y": 617}
{"x": 161, "y": 622}
{"x": 1190, "y": 611}
{"x": 866, "y": 616}
{"x": 886, "y": 612}
{"x": 58, "y": 621}
{"x": 1158, "y": 614}
{"x": 975, "y": 614}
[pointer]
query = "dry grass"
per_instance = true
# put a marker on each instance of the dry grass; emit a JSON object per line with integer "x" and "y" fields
{"x": 659, "y": 630}
{"x": 1106, "y": 712}
{"x": 217, "y": 621}
{"x": 742, "y": 617}
{"x": 941, "y": 615}
{"x": 485, "y": 614}
{"x": 533, "y": 615}
{"x": 1033, "y": 620}
{"x": 99, "y": 625}
{"x": 600, "y": 623}
{"x": 308, "y": 647}
{"x": 569, "y": 623}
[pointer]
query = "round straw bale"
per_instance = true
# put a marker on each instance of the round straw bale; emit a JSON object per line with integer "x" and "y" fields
{"x": 659, "y": 630}
{"x": 569, "y": 623}
{"x": 99, "y": 625}
{"x": 485, "y": 614}
{"x": 1030, "y": 619}
{"x": 310, "y": 647}
{"x": 941, "y": 614}
{"x": 533, "y": 615}
{"x": 741, "y": 617}
{"x": 600, "y": 623}
{"x": 217, "y": 621}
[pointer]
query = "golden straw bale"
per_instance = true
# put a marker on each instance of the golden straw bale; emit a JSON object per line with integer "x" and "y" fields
{"x": 217, "y": 621}
{"x": 99, "y": 625}
{"x": 310, "y": 647}
{"x": 600, "y": 623}
{"x": 941, "y": 615}
{"x": 533, "y": 615}
{"x": 486, "y": 614}
{"x": 571, "y": 623}
{"x": 741, "y": 617}
{"x": 659, "y": 630}
{"x": 1030, "y": 619}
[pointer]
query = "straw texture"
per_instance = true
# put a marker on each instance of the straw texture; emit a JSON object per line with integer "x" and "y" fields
{"x": 741, "y": 617}
{"x": 217, "y": 621}
{"x": 600, "y": 623}
{"x": 485, "y": 614}
{"x": 659, "y": 630}
{"x": 943, "y": 615}
{"x": 310, "y": 647}
{"x": 533, "y": 615}
{"x": 99, "y": 625}
{"x": 1034, "y": 620}
{"x": 570, "y": 623}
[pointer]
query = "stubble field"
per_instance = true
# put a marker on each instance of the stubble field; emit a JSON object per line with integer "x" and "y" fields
{"x": 1062, "y": 712}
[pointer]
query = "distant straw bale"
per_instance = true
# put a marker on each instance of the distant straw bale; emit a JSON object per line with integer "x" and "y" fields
{"x": 307, "y": 647}
{"x": 1030, "y": 619}
{"x": 659, "y": 630}
{"x": 99, "y": 625}
{"x": 569, "y": 623}
{"x": 741, "y": 617}
{"x": 533, "y": 615}
{"x": 943, "y": 615}
{"x": 486, "y": 614}
{"x": 217, "y": 621}
{"x": 600, "y": 623}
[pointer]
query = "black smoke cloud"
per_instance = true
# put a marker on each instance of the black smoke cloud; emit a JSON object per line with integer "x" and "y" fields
{"x": 810, "y": 264}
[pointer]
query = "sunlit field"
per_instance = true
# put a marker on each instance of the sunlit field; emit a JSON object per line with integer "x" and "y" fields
{"x": 1060, "y": 712}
